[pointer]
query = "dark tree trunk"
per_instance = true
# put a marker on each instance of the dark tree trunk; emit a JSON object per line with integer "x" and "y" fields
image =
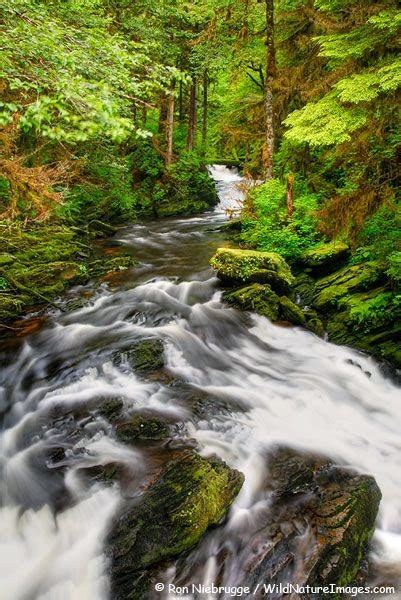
{"x": 205, "y": 111}
{"x": 170, "y": 128}
{"x": 268, "y": 148}
{"x": 192, "y": 117}
{"x": 144, "y": 115}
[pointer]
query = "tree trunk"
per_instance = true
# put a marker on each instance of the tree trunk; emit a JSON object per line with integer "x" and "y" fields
{"x": 181, "y": 103}
{"x": 162, "y": 115}
{"x": 144, "y": 115}
{"x": 268, "y": 149}
{"x": 290, "y": 195}
{"x": 170, "y": 128}
{"x": 192, "y": 116}
{"x": 204, "y": 111}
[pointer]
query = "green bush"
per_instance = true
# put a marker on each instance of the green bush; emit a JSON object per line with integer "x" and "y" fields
{"x": 266, "y": 225}
{"x": 104, "y": 190}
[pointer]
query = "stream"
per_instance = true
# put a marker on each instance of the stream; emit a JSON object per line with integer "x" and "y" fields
{"x": 270, "y": 384}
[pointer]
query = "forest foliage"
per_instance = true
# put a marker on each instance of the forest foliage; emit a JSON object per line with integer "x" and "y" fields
{"x": 112, "y": 109}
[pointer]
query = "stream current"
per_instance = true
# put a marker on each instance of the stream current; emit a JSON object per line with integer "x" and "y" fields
{"x": 270, "y": 384}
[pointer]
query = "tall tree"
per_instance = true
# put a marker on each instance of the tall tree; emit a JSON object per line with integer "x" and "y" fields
{"x": 268, "y": 150}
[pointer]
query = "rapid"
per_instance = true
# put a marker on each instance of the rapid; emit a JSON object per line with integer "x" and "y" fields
{"x": 269, "y": 384}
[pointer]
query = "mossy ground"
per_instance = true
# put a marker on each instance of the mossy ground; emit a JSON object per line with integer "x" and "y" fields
{"x": 39, "y": 262}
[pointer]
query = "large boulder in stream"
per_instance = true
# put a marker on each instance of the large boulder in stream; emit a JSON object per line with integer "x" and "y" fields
{"x": 192, "y": 494}
{"x": 236, "y": 267}
{"x": 321, "y": 521}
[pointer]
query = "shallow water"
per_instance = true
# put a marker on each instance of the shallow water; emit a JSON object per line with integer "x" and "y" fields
{"x": 266, "y": 384}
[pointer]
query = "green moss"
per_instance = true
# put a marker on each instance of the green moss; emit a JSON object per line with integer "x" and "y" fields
{"x": 145, "y": 428}
{"x": 256, "y": 297}
{"x": 111, "y": 409}
{"x": 291, "y": 312}
{"x": 239, "y": 266}
{"x": 325, "y": 258}
{"x": 147, "y": 355}
{"x": 330, "y": 289}
{"x": 192, "y": 494}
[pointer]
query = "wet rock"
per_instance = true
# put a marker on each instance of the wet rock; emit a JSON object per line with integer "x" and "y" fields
{"x": 142, "y": 427}
{"x": 320, "y": 525}
{"x": 108, "y": 264}
{"x": 314, "y": 323}
{"x": 256, "y": 297}
{"x": 148, "y": 355}
{"x": 304, "y": 288}
{"x": 192, "y": 494}
{"x": 235, "y": 267}
{"x": 111, "y": 409}
{"x": 325, "y": 258}
{"x": 291, "y": 312}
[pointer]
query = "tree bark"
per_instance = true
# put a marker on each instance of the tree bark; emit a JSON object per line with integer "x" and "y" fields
{"x": 205, "y": 111}
{"x": 192, "y": 116}
{"x": 290, "y": 195}
{"x": 162, "y": 115}
{"x": 170, "y": 128}
{"x": 268, "y": 149}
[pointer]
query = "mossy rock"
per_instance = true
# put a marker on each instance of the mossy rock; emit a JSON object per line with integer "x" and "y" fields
{"x": 235, "y": 267}
{"x": 111, "y": 409}
{"x": 311, "y": 495}
{"x": 325, "y": 258}
{"x": 6, "y": 259}
{"x": 139, "y": 427}
{"x": 291, "y": 312}
{"x": 107, "y": 264}
{"x": 147, "y": 355}
{"x": 192, "y": 494}
{"x": 304, "y": 288}
{"x": 313, "y": 323}
{"x": 11, "y": 306}
{"x": 256, "y": 297}
{"x": 330, "y": 289}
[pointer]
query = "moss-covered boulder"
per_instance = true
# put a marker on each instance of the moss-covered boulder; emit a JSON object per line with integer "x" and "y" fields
{"x": 291, "y": 312}
{"x": 235, "y": 267}
{"x": 304, "y": 289}
{"x": 145, "y": 356}
{"x": 324, "y": 258}
{"x": 142, "y": 428}
{"x": 314, "y": 323}
{"x": 192, "y": 494}
{"x": 332, "y": 507}
{"x": 329, "y": 290}
{"x": 256, "y": 297}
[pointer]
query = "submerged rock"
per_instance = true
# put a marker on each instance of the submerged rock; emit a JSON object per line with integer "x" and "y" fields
{"x": 325, "y": 258}
{"x": 192, "y": 494}
{"x": 321, "y": 521}
{"x": 235, "y": 267}
{"x": 147, "y": 355}
{"x": 142, "y": 427}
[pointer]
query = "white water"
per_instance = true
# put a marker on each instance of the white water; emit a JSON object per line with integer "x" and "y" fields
{"x": 291, "y": 387}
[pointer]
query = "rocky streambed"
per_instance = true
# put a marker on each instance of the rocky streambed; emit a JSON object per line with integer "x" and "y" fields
{"x": 154, "y": 438}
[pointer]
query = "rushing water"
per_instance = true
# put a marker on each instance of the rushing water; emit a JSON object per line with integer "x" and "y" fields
{"x": 269, "y": 385}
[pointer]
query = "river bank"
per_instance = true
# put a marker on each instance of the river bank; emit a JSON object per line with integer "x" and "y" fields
{"x": 354, "y": 302}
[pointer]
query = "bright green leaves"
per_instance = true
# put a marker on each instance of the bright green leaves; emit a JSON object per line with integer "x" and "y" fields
{"x": 324, "y": 122}
{"x": 363, "y": 51}
{"x": 66, "y": 76}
